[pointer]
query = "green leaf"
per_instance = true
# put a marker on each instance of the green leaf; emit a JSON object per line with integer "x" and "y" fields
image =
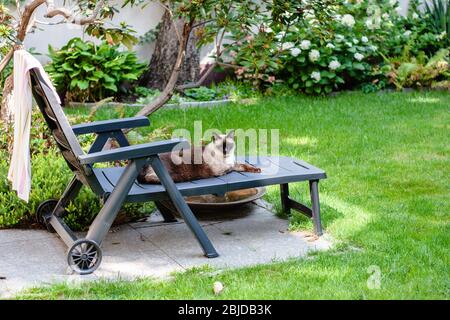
{"x": 83, "y": 84}
{"x": 111, "y": 86}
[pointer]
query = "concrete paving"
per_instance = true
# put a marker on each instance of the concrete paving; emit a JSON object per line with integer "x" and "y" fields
{"x": 152, "y": 248}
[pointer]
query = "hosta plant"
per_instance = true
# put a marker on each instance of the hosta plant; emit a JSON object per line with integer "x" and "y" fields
{"x": 83, "y": 71}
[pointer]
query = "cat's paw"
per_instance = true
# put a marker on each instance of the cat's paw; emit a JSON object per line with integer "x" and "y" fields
{"x": 255, "y": 170}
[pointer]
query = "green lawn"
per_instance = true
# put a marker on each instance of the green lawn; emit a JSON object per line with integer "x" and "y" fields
{"x": 386, "y": 200}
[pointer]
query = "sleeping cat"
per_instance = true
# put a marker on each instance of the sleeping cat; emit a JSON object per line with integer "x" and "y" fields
{"x": 217, "y": 159}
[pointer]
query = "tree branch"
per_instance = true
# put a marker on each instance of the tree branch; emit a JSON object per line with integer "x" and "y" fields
{"x": 167, "y": 93}
{"x": 200, "y": 81}
{"x": 6, "y": 60}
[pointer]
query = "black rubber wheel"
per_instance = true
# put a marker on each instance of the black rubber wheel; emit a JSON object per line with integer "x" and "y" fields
{"x": 44, "y": 212}
{"x": 84, "y": 256}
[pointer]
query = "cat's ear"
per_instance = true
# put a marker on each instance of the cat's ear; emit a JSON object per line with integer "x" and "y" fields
{"x": 231, "y": 134}
{"x": 215, "y": 136}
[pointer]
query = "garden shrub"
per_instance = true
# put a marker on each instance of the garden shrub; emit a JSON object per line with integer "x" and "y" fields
{"x": 320, "y": 46}
{"x": 50, "y": 176}
{"x": 83, "y": 71}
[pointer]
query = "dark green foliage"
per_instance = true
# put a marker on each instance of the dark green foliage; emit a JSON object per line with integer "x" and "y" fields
{"x": 83, "y": 71}
{"x": 50, "y": 176}
{"x": 201, "y": 94}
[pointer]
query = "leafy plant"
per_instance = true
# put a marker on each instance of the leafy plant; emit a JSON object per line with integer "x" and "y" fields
{"x": 439, "y": 16}
{"x": 83, "y": 71}
{"x": 48, "y": 184}
{"x": 200, "y": 94}
{"x": 418, "y": 72}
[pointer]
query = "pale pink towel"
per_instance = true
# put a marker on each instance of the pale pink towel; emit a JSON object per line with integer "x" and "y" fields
{"x": 21, "y": 108}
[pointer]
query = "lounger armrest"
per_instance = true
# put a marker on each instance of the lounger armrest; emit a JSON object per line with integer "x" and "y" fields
{"x": 110, "y": 125}
{"x": 133, "y": 152}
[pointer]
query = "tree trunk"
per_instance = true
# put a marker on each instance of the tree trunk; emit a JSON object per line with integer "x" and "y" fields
{"x": 165, "y": 55}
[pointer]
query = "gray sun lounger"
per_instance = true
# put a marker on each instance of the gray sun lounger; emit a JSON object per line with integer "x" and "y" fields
{"x": 117, "y": 185}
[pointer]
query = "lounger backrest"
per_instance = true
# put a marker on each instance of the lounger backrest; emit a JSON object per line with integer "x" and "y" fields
{"x": 58, "y": 123}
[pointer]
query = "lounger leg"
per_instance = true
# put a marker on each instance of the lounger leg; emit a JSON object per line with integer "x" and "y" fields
{"x": 284, "y": 190}
{"x": 102, "y": 223}
{"x": 69, "y": 194}
{"x": 315, "y": 206}
{"x": 182, "y": 207}
{"x": 166, "y": 214}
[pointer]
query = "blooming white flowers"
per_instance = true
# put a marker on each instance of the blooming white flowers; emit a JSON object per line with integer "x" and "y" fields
{"x": 314, "y": 55}
{"x": 331, "y": 46}
{"x": 295, "y": 52}
{"x": 333, "y": 65}
{"x": 287, "y": 45}
{"x": 315, "y": 75}
{"x": 385, "y": 16}
{"x": 305, "y": 44}
{"x": 407, "y": 33}
{"x": 348, "y": 20}
{"x": 392, "y": 2}
{"x": 441, "y": 36}
{"x": 339, "y": 37}
{"x": 358, "y": 56}
{"x": 364, "y": 39}
{"x": 280, "y": 35}
{"x": 415, "y": 16}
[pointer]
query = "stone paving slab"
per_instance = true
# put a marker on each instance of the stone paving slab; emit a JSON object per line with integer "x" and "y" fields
{"x": 151, "y": 248}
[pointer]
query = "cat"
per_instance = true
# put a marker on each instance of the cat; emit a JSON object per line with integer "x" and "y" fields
{"x": 217, "y": 159}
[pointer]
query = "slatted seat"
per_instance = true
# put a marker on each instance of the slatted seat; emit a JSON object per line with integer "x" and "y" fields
{"x": 117, "y": 185}
{"x": 274, "y": 171}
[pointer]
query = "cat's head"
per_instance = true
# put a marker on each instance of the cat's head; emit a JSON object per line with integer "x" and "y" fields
{"x": 224, "y": 143}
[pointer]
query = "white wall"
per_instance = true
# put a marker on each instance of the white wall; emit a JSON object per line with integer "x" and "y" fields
{"x": 141, "y": 20}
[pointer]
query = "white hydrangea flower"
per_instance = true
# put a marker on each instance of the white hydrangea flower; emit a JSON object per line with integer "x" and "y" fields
{"x": 309, "y": 14}
{"x": 314, "y": 55}
{"x": 385, "y": 16}
{"x": 280, "y": 35}
{"x": 305, "y": 44}
{"x": 268, "y": 30}
{"x": 295, "y": 52}
{"x": 287, "y": 45}
{"x": 442, "y": 35}
{"x": 392, "y": 2}
{"x": 333, "y": 65}
{"x": 373, "y": 48}
{"x": 315, "y": 75}
{"x": 415, "y": 15}
{"x": 330, "y": 45}
{"x": 364, "y": 39}
{"x": 348, "y": 20}
{"x": 358, "y": 56}
{"x": 339, "y": 37}
{"x": 407, "y": 33}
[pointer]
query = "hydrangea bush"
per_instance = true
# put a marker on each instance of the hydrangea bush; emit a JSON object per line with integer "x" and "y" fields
{"x": 321, "y": 46}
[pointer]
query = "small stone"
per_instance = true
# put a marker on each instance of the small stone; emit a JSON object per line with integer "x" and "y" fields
{"x": 217, "y": 287}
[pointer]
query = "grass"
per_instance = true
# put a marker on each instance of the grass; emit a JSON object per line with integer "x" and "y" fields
{"x": 386, "y": 200}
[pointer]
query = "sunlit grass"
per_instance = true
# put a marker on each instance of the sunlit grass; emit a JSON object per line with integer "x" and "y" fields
{"x": 386, "y": 200}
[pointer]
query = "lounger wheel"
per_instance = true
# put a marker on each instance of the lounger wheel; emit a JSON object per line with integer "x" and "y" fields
{"x": 44, "y": 212}
{"x": 84, "y": 256}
